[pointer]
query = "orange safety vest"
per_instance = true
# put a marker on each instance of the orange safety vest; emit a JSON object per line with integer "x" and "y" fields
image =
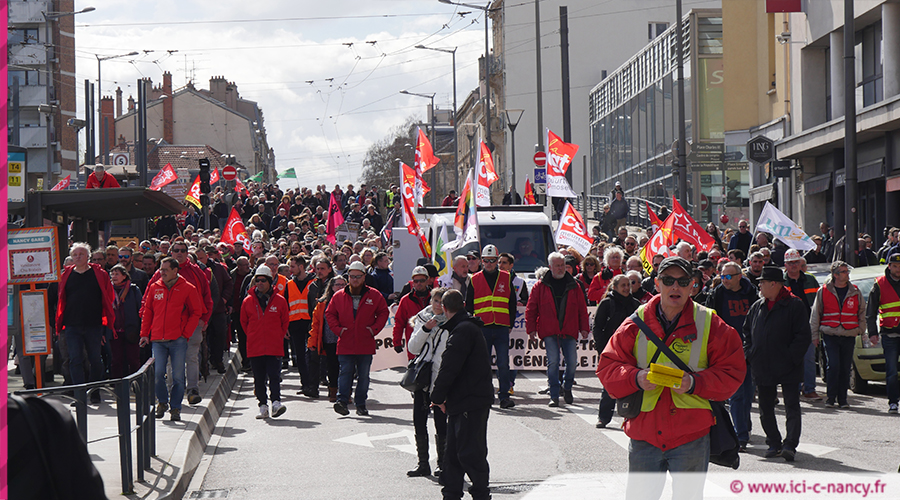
{"x": 280, "y": 284}
{"x": 492, "y": 306}
{"x": 889, "y": 308}
{"x": 834, "y": 314}
{"x": 298, "y": 307}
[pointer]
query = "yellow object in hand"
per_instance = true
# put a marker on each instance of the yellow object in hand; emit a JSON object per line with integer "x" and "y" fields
{"x": 665, "y": 376}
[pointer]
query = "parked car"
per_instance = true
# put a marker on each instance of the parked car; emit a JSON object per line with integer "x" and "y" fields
{"x": 868, "y": 360}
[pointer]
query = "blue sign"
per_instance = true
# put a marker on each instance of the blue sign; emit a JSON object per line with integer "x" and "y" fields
{"x": 540, "y": 176}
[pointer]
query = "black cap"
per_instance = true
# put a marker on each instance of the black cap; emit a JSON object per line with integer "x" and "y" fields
{"x": 894, "y": 257}
{"x": 474, "y": 253}
{"x": 771, "y": 273}
{"x": 705, "y": 264}
{"x": 432, "y": 270}
{"x": 675, "y": 261}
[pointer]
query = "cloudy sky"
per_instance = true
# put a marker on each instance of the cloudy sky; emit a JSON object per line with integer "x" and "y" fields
{"x": 327, "y": 74}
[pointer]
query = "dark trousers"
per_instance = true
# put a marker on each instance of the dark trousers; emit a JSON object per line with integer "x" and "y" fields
{"x": 332, "y": 366}
{"x": 607, "y": 407}
{"x": 217, "y": 338}
{"x": 126, "y": 357}
{"x": 81, "y": 339}
{"x": 241, "y": 336}
{"x": 421, "y": 408}
{"x": 839, "y": 351}
{"x": 266, "y": 368}
{"x": 466, "y": 453}
{"x": 766, "y": 401}
{"x": 299, "y": 331}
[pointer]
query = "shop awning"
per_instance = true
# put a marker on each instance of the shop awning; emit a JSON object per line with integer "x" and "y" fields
{"x": 818, "y": 184}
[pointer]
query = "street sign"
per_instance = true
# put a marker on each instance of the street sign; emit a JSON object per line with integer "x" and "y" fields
{"x": 761, "y": 149}
{"x": 782, "y": 168}
{"x": 540, "y": 159}
{"x": 540, "y": 189}
{"x": 120, "y": 159}
{"x": 704, "y": 152}
{"x": 15, "y": 162}
{"x": 33, "y": 255}
{"x": 734, "y": 156}
{"x": 229, "y": 173}
{"x": 540, "y": 176}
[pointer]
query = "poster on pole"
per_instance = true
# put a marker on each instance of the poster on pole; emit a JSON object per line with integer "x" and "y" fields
{"x": 35, "y": 318}
{"x": 33, "y": 255}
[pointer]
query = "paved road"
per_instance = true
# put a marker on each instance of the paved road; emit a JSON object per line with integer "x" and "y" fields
{"x": 534, "y": 451}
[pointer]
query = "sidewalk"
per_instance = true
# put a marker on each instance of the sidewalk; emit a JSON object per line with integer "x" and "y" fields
{"x": 179, "y": 445}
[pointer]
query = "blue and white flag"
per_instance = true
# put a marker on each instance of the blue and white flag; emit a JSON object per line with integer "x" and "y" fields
{"x": 773, "y": 221}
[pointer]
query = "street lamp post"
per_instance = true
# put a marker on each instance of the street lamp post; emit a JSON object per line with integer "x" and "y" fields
{"x": 433, "y": 177}
{"x": 512, "y": 121}
{"x": 48, "y": 45}
{"x": 487, "y": 69}
{"x": 455, "y": 144}
{"x": 104, "y": 147}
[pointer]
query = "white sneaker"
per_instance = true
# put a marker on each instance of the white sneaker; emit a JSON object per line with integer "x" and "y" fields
{"x": 263, "y": 412}
{"x": 278, "y": 409}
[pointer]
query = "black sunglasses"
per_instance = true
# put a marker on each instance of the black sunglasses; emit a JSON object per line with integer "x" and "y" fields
{"x": 260, "y": 280}
{"x": 682, "y": 282}
{"x": 178, "y": 250}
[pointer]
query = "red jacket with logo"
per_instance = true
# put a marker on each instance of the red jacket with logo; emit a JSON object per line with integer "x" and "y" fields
{"x": 170, "y": 313}
{"x": 410, "y": 305}
{"x": 599, "y": 285}
{"x": 106, "y": 289}
{"x": 197, "y": 277}
{"x": 356, "y": 331}
{"x": 267, "y": 328}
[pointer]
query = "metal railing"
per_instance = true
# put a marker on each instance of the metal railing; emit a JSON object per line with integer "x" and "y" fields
{"x": 637, "y": 208}
{"x": 142, "y": 382}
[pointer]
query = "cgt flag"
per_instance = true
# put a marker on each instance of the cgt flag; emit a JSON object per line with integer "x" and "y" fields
{"x": 572, "y": 232}
{"x": 559, "y": 157}
{"x": 165, "y": 177}
{"x": 62, "y": 184}
{"x": 235, "y": 233}
{"x": 193, "y": 194}
{"x": 335, "y": 219}
{"x": 658, "y": 245}
{"x": 486, "y": 176}
{"x": 772, "y": 220}
{"x": 654, "y": 219}
{"x": 408, "y": 200}
{"x": 465, "y": 224}
{"x": 425, "y": 158}
{"x": 685, "y": 227}
{"x": 240, "y": 187}
{"x": 529, "y": 193}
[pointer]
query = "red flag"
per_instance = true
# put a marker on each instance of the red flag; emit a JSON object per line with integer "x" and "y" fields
{"x": 486, "y": 176}
{"x": 165, "y": 176}
{"x": 235, "y": 232}
{"x": 559, "y": 157}
{"x": 214, "y": 176}
{"x": 239, "y": 186}
{"x": 193, "y": 194}
{"x": 529, "y": 193}
{"x": 407, "y": 200}
{"x": 685, "y": 227}
{"x": 425, "y": 158}
{"x": 654, "y": 219}
{"x": 62, "y": 184}
{"x": 335, "y": 219}
{"x": 572, "y": 230}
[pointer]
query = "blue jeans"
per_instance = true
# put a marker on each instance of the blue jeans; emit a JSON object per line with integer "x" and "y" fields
{"x": 643, "y": 457}
{"x": 163, "y": 351}
{"x": 79, "y": 339}
{"x": 553, "y": 344}
{"x": 839, "y": 351}
{"x": 891, "y": 347}
{"x": 741, "y": 402}
{"x": 809, "y": 371}
{"x": 360, "y": 363}
{"x": 498, "y": 338}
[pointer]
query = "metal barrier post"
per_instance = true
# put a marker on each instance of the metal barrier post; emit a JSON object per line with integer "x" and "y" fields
{"x": 123, "y": 409}
{"x": 151, "y": 398}
{"x": 81, "y": 412}
{"x": 139, "y": 421}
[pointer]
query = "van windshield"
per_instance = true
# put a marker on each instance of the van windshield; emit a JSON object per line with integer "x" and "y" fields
{"x": 529, "y": 244}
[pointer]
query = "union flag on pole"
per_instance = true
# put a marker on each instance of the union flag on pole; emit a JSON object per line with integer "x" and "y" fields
{"x": 235, "y": 232}
{"x": 658, "y": 244}
{"x": 654, "y": 219}
{"x": 425, "y": 158}
{"x": 685, "y": 227}
{"x": 62, "y": 184}
{"x": 335, "y": 219}
{"x": 529, "y": 193}
{"x": 239, "y": 186}
{"x": 486, "y": 176}
{"x": 407, "y": 199}
{"x": 165, "y": 176}
{"x": 559, "y": 157}
{"x": 193, "y": 194}
{"x": 572, "y": 231}
{"x": 465, "y": 223}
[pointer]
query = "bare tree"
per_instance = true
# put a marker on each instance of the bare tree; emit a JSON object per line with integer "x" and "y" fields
{"x": 381, "y": 166}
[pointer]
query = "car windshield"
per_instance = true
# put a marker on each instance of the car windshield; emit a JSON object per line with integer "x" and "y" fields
{"x": 529, "y": 244}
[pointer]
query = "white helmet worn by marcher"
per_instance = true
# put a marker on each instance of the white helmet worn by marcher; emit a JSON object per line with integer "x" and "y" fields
{"x": 490, "y": 251}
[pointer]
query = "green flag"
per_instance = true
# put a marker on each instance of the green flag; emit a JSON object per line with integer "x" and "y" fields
{"x": 288, "y": 174}
{"x": 256, "y": 178}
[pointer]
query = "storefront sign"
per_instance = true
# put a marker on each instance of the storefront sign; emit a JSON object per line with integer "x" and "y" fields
{"x": 33, "y": 255}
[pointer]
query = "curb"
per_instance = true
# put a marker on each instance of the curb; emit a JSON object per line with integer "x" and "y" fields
{"x": 192, "y": 444}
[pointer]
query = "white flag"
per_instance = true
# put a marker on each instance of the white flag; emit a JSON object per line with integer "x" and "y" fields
{"x": 572, "y": 232}
{"x": 773, "y": 221}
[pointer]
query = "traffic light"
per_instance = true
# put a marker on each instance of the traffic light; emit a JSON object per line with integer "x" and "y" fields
{"x": 204, "y": 176}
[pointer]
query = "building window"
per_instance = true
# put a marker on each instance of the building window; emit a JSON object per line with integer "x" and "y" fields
{"x": 828, "y": 115}
{"x": 656, "y": 29}
{"x": 23, "y": 36}
{"x": 869, "y": 66}
{"x": 25, "y": 77}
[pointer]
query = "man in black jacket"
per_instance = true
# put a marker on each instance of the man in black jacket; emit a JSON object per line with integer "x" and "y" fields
{"x": 464, "y": 391}
{"x": 776, "y": 337}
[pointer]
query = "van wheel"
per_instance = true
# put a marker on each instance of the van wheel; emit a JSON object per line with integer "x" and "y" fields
{"x": 857, "y": 384}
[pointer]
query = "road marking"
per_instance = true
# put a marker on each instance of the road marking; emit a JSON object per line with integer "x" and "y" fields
{"x": 363, "y": 439}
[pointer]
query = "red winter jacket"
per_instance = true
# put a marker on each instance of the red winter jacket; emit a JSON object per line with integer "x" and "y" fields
{"x": 267, "y": 329}
{"x": 410, "y": 305}
{"x": 542, "y": 317}
{"x": 170, "y": 313}
{"x": 108, "y": 181}
{"x": 356, "y": 332}
{"x": 667, "y": 427}
{"x": 599, "y": 285}
{"x": 200, "y": 280}
{"x": 107, "y": 296}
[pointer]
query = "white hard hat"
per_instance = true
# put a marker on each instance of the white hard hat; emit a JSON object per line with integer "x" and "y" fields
{"x": 357, "y": 266}
{"x": 264, "y": 271}
{"x": 420, "y": 271}
{"x": 490, "y": 251}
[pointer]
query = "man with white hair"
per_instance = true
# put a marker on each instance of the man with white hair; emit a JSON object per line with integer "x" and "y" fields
{"x": 457, "y": 278}
{"x": 685, "y": 251}
{"x": 557, "y": 313}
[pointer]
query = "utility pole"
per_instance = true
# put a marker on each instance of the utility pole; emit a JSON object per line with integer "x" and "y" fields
{"x": 682, "y": 147}
{"x": 537, "y": 60}
{"x": 850, "y": 182}
{"x": 564, "y": 65}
